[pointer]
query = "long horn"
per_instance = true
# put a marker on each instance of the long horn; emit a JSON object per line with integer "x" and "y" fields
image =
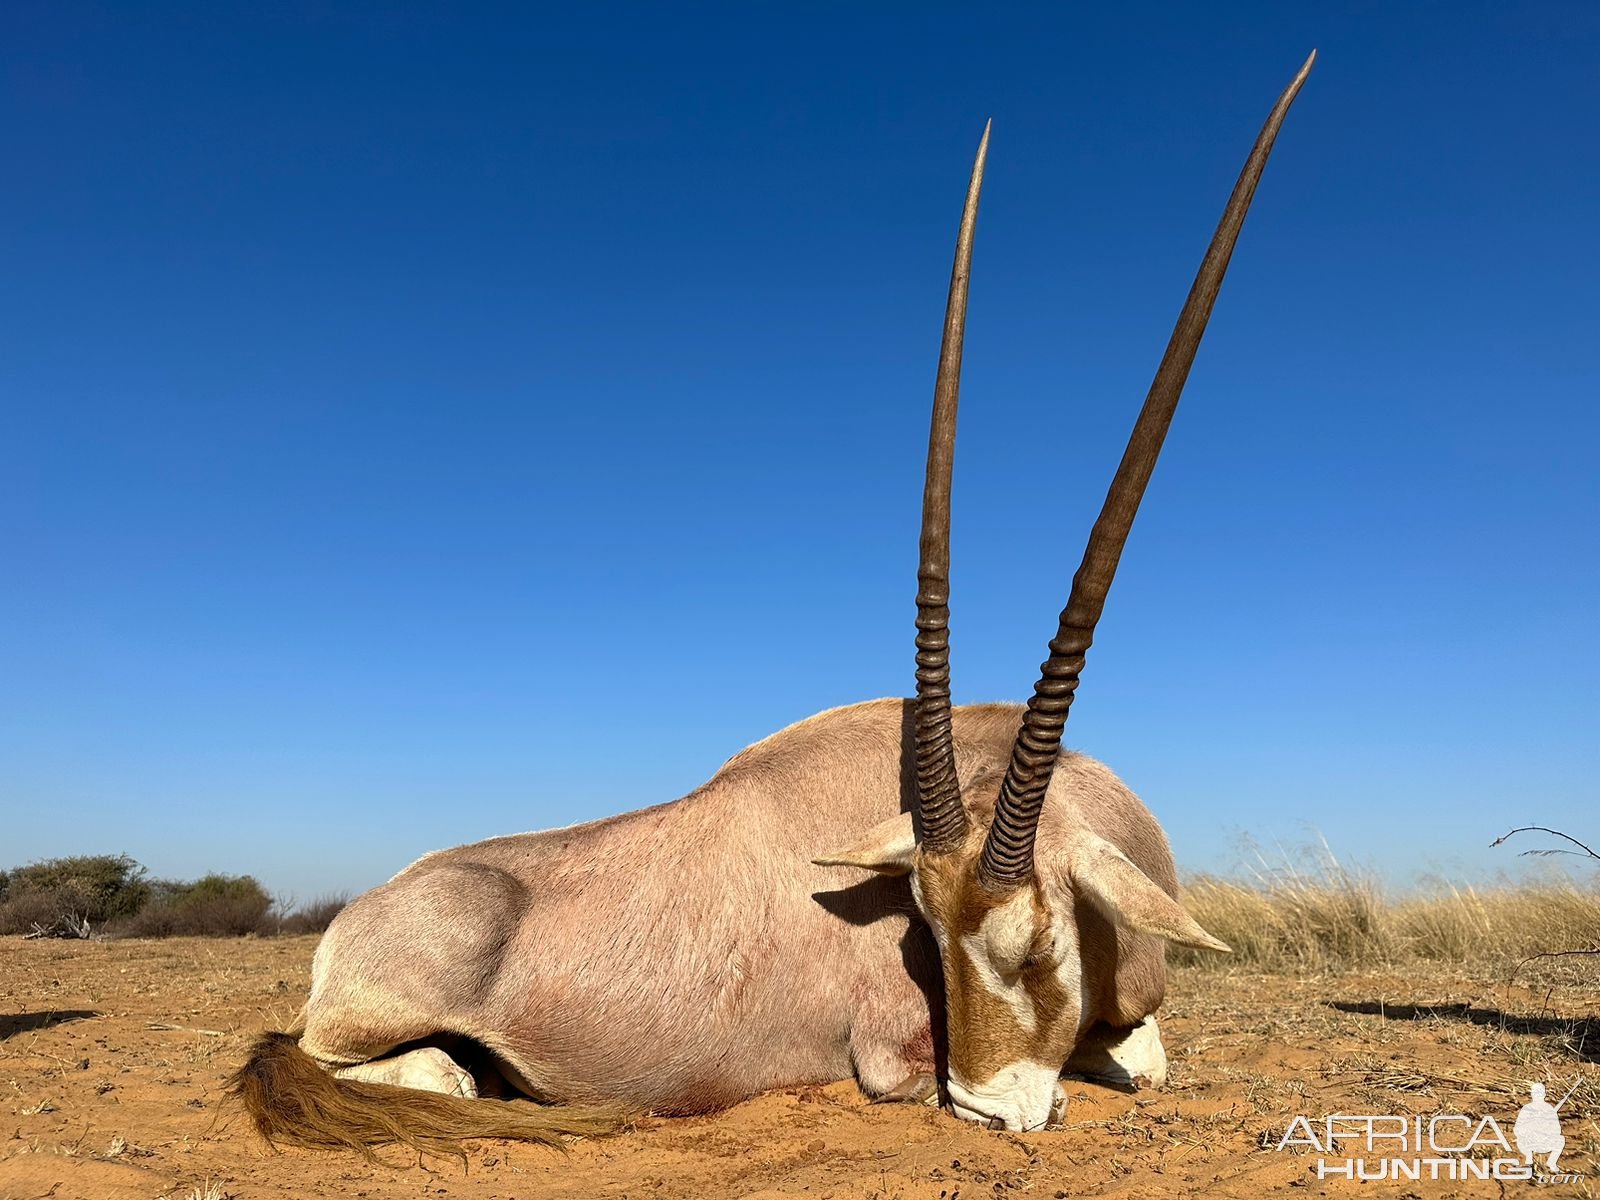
{"x": 1008, "y": 851}
{"x": 944, "y": 820}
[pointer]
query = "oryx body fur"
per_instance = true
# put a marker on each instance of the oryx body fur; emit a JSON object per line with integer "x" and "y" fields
{"x": 683, "y": 957}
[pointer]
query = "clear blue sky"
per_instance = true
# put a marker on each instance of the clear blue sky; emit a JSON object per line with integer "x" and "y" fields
{"x": 423, "y": 424}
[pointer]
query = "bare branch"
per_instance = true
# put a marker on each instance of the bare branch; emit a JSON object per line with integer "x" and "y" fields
{"x": 1512, "y": 978}
{"x": 1566, "y": 837}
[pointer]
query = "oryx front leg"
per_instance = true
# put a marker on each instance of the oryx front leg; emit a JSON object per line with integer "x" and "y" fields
{"x": 1130, "y": 1058}
{"x": 428, "y": 1069}
{"x": 919, "y": 1088}
{"x": 896, "y": 1069}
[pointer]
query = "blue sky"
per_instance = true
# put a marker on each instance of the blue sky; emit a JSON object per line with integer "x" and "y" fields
{"x": 423, "y": 423}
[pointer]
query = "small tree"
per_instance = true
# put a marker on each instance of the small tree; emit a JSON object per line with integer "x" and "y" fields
{"x": 67, "y": 897}
{"x": 213, "y": 906}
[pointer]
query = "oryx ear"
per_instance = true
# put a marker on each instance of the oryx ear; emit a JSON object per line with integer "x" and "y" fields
{"x": 1131, "y": 898}
{"x": 886, "y": 848}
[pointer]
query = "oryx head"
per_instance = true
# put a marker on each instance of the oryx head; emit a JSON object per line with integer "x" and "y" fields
{"x": 1003, "y": 916}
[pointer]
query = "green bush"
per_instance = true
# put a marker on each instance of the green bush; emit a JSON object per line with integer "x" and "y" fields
{"x": 112, "y": 893}
{"x": 213, "y": 906}
{"x": 60, "y": 893}
{"x": 312, "y": 917}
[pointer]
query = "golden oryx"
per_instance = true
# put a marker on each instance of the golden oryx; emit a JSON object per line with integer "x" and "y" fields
{"x": 1011, "y": 921}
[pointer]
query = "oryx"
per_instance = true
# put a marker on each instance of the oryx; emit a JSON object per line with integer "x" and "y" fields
{"x": 1000, "y": 910}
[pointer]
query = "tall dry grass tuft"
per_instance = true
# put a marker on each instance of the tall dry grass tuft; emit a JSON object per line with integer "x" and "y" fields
{"x": 1467, "y": 924}
{"x": 1326, "y": 916}
{"x": 1291, "y": 917}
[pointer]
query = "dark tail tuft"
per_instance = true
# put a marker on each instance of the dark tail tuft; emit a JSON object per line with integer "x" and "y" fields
{"x": 294, "y": 1102}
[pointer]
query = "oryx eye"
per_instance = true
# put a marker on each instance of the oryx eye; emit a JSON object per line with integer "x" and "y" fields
{"x": 1042, "y": 951}
{"x": 1014, "y": 955}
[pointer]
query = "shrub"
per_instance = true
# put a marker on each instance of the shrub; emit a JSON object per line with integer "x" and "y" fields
{"x": 53, "y": 913}
{"x": 213, "y": 906}
{"x": 314, "y": 917}
{"x": 110, "y": 894}
{"x": 60, "y": 895}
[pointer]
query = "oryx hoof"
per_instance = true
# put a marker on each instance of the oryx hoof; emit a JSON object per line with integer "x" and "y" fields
{"x": 426, "y": 1069}
{"x": 921, "y": 1088}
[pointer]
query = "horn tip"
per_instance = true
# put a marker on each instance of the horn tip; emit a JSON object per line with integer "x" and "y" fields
{"x": 1293, "y": 90}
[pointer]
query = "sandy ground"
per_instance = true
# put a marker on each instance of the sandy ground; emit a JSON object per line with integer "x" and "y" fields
{"x": 113, "y": 1056}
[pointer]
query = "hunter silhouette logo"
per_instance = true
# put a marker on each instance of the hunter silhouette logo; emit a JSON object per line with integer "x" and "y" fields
{"x": 1538, "y": 1127}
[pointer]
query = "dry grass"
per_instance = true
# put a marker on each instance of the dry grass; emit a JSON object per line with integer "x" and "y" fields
{"x": 205, "y": 1191}
{"x": 1325, "y": 916}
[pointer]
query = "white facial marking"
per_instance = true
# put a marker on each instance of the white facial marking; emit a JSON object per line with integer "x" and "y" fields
{"x": 1069, "y": 962}
{"x": 1013, "y": 995}
{"x": 922, "y": 907}
{"x": 1002, "y": 941}
{"x": 1023, "y": 1097}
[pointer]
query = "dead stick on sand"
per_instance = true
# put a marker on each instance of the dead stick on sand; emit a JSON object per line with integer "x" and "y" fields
{"x": 185, "y": 1029}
